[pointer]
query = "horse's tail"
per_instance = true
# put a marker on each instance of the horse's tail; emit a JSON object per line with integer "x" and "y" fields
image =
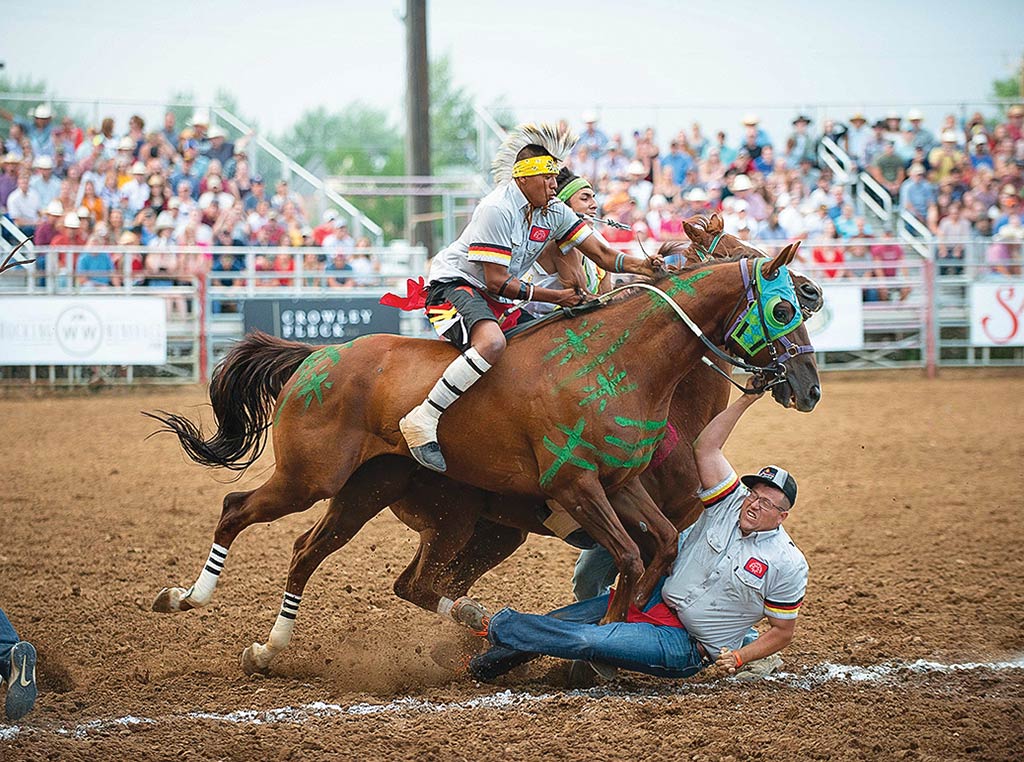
{"x": 242, "y": 393}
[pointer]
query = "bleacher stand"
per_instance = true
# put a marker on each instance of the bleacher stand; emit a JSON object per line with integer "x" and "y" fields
{"x": 192, "y": 186}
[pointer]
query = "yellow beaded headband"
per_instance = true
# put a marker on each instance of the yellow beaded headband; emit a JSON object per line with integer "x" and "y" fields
{"x": 538, "y": 165}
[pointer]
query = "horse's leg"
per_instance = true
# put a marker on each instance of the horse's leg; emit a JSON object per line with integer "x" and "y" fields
{"x": 418, "y": 582}
{"x": 635, "y": 507}
{"x": 586, "y": 500}
{"x": 490, "y": 544}
{"x": 278, "y": 497}
{"x": 367, "y": 493}
{"x": 444, "y": 513}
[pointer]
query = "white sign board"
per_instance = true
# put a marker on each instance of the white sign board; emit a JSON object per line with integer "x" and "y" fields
{"x": 997, "y": 314}
{"x": 83, "y": 330}
{"x": 839, "y": 324}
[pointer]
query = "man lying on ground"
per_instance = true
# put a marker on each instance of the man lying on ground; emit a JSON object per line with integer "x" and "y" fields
{"x": 736, "y": 566}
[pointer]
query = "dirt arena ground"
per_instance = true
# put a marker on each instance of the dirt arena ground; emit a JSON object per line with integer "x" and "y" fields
{"x": 910, "y": 516}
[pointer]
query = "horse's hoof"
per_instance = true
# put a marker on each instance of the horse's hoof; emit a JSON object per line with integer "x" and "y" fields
{"x": 250, "y": 665}
{"x": 168, "y": 601}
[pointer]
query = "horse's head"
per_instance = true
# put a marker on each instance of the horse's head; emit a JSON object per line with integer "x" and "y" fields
{"x": 710, "y": 241}
{"x": 770, "y": 330}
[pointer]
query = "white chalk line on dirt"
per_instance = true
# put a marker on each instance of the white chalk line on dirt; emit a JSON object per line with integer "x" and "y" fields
{"x": 885, "y": 673}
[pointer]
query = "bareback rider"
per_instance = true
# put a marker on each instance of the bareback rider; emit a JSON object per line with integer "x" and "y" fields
{"x": 476, "y": 278}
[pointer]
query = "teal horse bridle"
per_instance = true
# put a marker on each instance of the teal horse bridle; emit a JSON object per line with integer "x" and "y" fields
{"x": 705, "y": 254}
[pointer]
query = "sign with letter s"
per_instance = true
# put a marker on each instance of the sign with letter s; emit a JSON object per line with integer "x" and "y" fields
{"x": 997, "y": 314}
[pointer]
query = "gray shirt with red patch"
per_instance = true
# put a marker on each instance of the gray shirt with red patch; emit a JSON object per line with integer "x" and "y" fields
{"x": 723, "y": 582}
{"x": 505, "y": 230}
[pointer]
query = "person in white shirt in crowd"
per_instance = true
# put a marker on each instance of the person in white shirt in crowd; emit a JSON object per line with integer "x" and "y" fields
{"x": 23, "y": 205}
{"x": 135, "y": 192}
{"x": 46, "y": 186}
{"x": 340, "y": 240}
{"x": 284, "y": 194}
{"x": 215, "y": 190}
{"x": 743, "y": 189}
{"x": 857, "y": 136}
{"x": 640, "y": 189}
{"x": 822, "y": 193}
{"x": 790, "y": 217}
{"x": 814, "y": 222}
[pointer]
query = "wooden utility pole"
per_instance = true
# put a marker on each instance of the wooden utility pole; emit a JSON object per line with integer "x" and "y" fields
{"x": 417, "y": 110}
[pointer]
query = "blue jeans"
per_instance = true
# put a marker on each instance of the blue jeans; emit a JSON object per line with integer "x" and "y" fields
{"x": 572, "y": 632}
{"x": 8, "y": 637}
{"x": 594, "y": 573}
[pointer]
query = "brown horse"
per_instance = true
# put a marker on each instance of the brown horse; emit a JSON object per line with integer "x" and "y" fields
{"x": 465, "y": 532}
{"x": 573, "y": 426}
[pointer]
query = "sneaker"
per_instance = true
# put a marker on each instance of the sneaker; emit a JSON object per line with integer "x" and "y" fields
{"x": 420, "y": 432}
{"x": 581, "y": 540}
{"x": 429, "y": 456}
{"x": 494, "y": 663}
{"x": 471, "y": 614}
{"x": 589, "y": 674}
{"x": 759, "y": 668}
{"x": 21, "y": 687}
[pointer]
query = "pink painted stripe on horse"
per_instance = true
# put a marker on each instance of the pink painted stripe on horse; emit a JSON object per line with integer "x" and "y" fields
{"x": 666, "y": 446}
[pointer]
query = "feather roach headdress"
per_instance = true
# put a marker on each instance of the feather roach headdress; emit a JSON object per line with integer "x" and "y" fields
{"x": 557, "y": 141}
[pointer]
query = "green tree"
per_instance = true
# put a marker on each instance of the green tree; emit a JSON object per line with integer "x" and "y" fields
{"x": 453, "y": 122}
{"x": 1008, "y": 89}
{"x": 453, "y": 130}
{"x": 21, "y": 86}
{"x": 359, "y": 140}
{"x": 181, "y": 103}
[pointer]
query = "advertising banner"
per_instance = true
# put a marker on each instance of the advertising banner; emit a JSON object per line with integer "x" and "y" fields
{"x": 83, "y": 330}
{"x": 839, "y": 324}
{"x": 320, "y": 321}
{"x": 997, "y": 310}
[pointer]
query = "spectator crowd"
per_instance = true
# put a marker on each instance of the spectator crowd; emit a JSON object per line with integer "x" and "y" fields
{"x": 963, "y": 182}
{"x": 164, "y": 188}
{"x": 160, "y": 189}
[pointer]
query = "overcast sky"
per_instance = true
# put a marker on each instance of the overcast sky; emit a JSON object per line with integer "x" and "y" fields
{"x": 662, "y": 63}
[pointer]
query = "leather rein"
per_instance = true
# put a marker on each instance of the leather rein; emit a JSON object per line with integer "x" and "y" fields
{"x": 766, "y": 376}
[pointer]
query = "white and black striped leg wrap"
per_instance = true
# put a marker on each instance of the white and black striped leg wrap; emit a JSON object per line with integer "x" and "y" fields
{"x": 281, "y": 632}
{"x": 290, "y": 605}
{"x": 464, "y": 371}
{"x": 201, "y": 592}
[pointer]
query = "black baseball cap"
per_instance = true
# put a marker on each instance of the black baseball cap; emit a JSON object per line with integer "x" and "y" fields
{"x": 776, "y": 477}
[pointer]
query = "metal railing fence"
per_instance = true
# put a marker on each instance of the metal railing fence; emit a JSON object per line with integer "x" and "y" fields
{"x": 915, "y": 312}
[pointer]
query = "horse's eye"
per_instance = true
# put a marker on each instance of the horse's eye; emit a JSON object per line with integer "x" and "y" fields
{"x": 782, "y": 312}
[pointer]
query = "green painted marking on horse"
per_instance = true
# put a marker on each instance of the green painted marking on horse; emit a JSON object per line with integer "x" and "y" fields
{"x": 640, "y": 460}
{"x": 641, "y": 451}
{"x": 573, "y": 344}
{"x": 311, "y": 378}
{"x": 314, "y": 386}
{"x": 608, "y": 387}
{"x": 648, "y": 425}
{"x": 634, "y": 446}
{"x": 679, "y": 285}
{"x": 565, "y": 453}
{"x": 602, "y": 358}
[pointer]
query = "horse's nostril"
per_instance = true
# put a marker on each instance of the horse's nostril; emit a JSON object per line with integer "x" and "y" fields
{"x": 814, "y": 393}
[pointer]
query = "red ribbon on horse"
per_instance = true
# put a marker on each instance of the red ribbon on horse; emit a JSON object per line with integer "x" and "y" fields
{"x": 415, "y": 298}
